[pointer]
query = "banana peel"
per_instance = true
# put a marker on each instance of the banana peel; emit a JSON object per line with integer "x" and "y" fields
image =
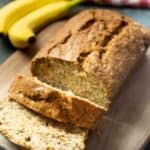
{"x": 22, "y": 33}
{"x": 15, "y": 10}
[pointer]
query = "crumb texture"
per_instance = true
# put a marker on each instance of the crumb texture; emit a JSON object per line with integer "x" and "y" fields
{"x": 31, "y": 131}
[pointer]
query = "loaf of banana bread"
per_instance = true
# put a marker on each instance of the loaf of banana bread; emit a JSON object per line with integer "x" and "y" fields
{"x": 34, "y": 132}
{"x": 92, "y": 55}
{"x": 55, "y": 103}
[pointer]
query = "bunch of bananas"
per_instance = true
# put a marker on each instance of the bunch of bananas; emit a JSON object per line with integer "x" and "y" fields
{"x": 21, "y": 19}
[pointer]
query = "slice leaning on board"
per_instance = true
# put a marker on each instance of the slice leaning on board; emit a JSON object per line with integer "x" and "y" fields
{"x": 55, "y": 103}
{"x": 31, "y": 131}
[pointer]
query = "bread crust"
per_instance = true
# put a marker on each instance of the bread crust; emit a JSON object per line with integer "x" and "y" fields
{"x": 102, "y": 42}
{"x": 54, "y": 103}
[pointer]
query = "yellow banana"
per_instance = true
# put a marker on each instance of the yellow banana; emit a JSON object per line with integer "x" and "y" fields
{"x": 22, "y": 32}
{"x": 15, "y": 10}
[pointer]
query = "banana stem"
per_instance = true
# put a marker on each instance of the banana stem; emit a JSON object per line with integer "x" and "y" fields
{"x": 31, "y": 40}
{"x": 1, "y": 34}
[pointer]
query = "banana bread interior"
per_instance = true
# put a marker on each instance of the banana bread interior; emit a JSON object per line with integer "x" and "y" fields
{"x": 70, "y": 77}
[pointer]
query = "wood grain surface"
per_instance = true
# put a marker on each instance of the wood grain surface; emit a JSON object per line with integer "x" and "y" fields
{"x": 125, "y": 127}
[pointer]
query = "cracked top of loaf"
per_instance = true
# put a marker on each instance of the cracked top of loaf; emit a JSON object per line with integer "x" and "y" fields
{"x": 103, "y": 42}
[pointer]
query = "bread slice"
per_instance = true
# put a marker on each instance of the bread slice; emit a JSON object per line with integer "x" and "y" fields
{"x": 34, "y": 132}
{"x": 92, "y": 55}
{"x": 55, "y": 103}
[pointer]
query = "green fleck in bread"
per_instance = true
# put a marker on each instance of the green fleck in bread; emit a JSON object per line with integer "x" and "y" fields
{"x": 92, "y": 55}
{"x": 55, "y": 103}
{"x": 33, "y": 132}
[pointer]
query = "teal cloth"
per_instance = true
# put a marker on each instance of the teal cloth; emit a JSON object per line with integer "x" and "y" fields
{"x": 2, "y": 2}
{"x": 140, "y": 15}
{"x": 5, "y": 47}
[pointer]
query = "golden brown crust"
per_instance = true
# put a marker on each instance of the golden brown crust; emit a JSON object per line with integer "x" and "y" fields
{"x": 54, "y": 103}
{"x": 103, "y": 42}
{"x": 101, "y": 22}
{"x": 122, "y": 53}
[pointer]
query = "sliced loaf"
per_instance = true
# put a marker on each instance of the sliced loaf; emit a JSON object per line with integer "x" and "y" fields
{"x": 34, "y": 132}
{"x": 55, "y": 103}
{"x": 92, "y": 55}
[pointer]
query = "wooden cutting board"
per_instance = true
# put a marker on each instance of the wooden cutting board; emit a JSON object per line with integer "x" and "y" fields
{"x": 125, "y": 127}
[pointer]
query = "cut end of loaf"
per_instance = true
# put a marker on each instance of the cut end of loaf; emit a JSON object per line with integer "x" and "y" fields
{"x": 71, "y": 77}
